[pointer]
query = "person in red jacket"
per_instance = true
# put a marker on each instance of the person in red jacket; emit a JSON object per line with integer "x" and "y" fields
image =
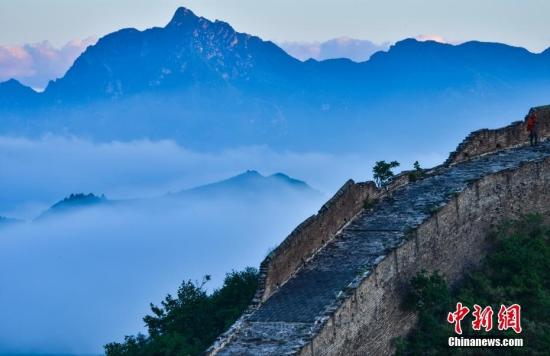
{"x": 532, "y": 128}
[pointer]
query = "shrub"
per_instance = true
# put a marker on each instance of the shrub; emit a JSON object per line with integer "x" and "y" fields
{"x": 188, "y": 323}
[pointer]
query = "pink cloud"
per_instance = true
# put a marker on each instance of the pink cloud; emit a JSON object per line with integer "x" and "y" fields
{"x": 37, "y": 63}
{"x": 436, "y": 38}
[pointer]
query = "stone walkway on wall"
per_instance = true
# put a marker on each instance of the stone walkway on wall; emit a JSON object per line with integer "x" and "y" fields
{"x": 286, "y": 321}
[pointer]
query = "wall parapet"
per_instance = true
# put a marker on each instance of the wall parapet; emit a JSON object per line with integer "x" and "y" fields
{"x": 311, "y": 235}
{"x": 488, "y": 141}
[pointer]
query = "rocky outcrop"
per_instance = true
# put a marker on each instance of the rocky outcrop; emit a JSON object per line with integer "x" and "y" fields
{"x": 344, "y": 297}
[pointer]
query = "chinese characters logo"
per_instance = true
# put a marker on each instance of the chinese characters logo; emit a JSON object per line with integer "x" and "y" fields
{"x": 508, "y": 317}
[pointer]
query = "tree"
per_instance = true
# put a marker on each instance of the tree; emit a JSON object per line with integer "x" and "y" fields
{"x": 188, "y": 323}
{"x": 418, "y": 172}
{"x": 382, "y": 172}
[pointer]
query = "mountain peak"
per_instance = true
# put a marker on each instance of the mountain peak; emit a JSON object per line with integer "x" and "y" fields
{"x": 13, "y": 93}
{"x": 74, "y": 202}
{"x": 251, "y": 172}
{"x": 413, "y": 43}
{"x": 181, "y": 16}
{"x": 13, "y": 84}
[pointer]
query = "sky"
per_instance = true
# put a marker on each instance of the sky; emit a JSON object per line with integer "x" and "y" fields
{"x": 523, "y": 23}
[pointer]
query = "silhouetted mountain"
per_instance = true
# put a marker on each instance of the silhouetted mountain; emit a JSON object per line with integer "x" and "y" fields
{"x": 208, "y": 86}
{"x": 16, "y": 95}
{"x": 242, "y": 188}
{"x": 4, "y": 221}
{"x": 253, "y": 185}
{"x": 189, "y": 51}
{"x": 74, "y": 202}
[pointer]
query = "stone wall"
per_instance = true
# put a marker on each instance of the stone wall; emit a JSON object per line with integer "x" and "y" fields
{"x": 487, "y": 141}
{"x": 367, "y": 315}
{"x": 451, "y": 241}
{"x": 312, "y": 234}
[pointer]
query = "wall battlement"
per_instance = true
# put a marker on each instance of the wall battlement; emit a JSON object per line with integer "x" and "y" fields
{"x": 486, "y": 141}
{"x": 311, "y": 235}
{"x": 344, "y": 270}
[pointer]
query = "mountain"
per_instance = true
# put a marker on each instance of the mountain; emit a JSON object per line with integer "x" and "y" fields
{"x": 253, "y": 185}
{"x": 247, "y": 187}
{"x": 73, "y": 203}
{"x": 189, "y": 51}
{"x": 16, "y": 95}
{"x": 208, "y": 87}
{"x": 4, "y": 221}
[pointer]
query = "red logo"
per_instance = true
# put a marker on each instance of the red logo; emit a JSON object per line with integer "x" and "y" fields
{"x": 457, "y": 316}
{"x": 508, "y": 317}
{"x": 483, "y": 318}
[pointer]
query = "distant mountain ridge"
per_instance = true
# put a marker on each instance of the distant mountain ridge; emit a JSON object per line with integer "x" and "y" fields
{"x": 245, "y": 187}
{"x": 208, "y": 86}
{"x": 73, "y": 203}
{"x": 4, "y": 221}
{"x": 189, "y": 51}
{"x": 250, "y": 185}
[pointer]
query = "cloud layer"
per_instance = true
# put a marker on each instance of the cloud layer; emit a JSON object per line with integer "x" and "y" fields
{"x": 342, "y": 47}
{"x": 38, "y": 172}
{"x": 75, "y": 282}
{"x": 38, "y": 63}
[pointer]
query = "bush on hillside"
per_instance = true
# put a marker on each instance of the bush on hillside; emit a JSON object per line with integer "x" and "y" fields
{"x": 188, "y": 323}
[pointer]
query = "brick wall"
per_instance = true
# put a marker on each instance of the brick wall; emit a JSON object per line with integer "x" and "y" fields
{"x": 451, "y": 241}
{"x": 312, "y": 234}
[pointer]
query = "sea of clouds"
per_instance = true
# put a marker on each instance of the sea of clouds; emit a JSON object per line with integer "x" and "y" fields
{"x": 73, "y": 282}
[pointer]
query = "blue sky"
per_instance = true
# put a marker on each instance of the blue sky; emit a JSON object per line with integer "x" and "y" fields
{"x": 523, "y": 23}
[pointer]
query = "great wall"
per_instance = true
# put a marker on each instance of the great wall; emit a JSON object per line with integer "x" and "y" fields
{"x": 335, "y": 285}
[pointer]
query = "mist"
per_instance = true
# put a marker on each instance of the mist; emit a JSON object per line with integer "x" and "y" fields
{"x": 75, "y": 281}
{"x": 35, "y": 173}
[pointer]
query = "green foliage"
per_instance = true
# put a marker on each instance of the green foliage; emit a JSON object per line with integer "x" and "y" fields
{"x": 431, "y": 299}
{"x": 382, "y": 172}
{"x": 516, "y": 271}
{"x": 188, "y": 323}
{"x": 418, "y": 172}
